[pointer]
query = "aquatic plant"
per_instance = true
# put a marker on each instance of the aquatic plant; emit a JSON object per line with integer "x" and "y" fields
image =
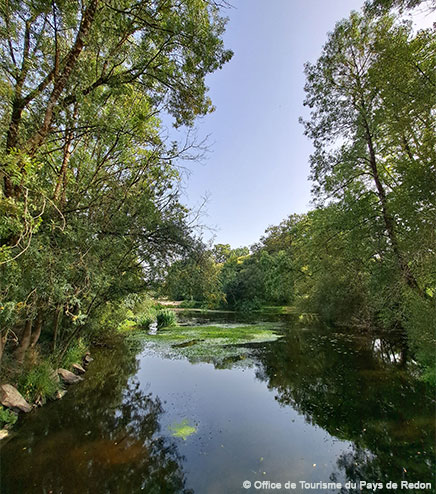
{"x": 222, "y": 345}
{"x": 166, "y": 318}
{"x": 7, "y": 417}
{"x": 182, "y": 429}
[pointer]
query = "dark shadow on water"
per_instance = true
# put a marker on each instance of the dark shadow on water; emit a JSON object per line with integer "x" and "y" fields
{"x": 106, "y": 435}
{"x": 353, "y": 387}
{"x": 103, "y": 437}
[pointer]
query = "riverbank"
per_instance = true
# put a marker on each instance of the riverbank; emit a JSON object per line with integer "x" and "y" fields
{"x": 38, "y": 381}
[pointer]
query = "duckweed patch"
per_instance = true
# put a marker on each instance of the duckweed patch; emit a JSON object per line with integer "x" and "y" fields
{"x": 223, "y": 345}
{"x": 182, "y": 429}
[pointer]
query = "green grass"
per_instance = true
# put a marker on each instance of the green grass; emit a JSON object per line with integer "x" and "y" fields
{"x": 39, "y": 383}
{"x": 74, "y": 354}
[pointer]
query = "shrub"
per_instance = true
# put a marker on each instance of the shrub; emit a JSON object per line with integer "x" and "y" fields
{"x": 248, "y": 305}
{"x": 420, "y": 326}
{"x": 144, "y": 319}
{"x": 7, "y": 417}
{"x": 166, "y": 317}
{"x": 127, "y": 325}
{"x": 40, "y": 382}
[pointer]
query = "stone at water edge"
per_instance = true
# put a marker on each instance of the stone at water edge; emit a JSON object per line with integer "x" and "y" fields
{"x": 10, "y": 397}
{"x": 3, "y": 433}
{"x": 87, "y": 359}
{"x": 79, "y": 369}
{"x": 60, "y": 393}
{"x": 68, "y": 377}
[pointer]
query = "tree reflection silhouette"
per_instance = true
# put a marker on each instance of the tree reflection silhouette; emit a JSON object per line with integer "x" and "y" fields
{"x": 103, "y": 437}
{"x": 342, "y": 384}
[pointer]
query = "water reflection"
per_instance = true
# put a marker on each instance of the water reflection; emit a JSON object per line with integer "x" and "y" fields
{"x": 354, "y": 389}
{"x": 103, "y": 437}
{"x": 316, "y": 406}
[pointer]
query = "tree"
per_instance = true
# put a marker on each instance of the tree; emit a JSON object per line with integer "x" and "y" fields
{"x": 382, "y": 6}
{"x": 89, "y": 189}
{"x": 349, "y": 104}
{"x": 372, "y": 96}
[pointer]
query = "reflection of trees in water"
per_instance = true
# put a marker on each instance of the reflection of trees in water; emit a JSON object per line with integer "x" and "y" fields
{"x": 339, "y": 384}
{"x": 103, "y": 437}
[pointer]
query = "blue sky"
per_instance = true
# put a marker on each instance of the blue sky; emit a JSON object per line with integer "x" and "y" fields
{"x": 257, "y": 171}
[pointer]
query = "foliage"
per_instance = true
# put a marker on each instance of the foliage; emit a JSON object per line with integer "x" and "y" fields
{"x": 166, "y": 318}
{"x": 382, "y": 6}
{"x": 372, "y": 101}
{"x": 89, "y": 188}
{"x": 7, "y": 417}
{"x": 39, "y": 382}
{"x": 195, "y": 278}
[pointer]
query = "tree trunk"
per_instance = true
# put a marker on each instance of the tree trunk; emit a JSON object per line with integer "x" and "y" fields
{"x": 3, "y": 339}
{"x": 387, "y": 217}
{"x": 56, "y": 320}
{"x": 61, "y": 183}
{"x": 11, "y": 141}
{"x": 21, "y": 350}
{"x": 61, "y": 81}
{"x": 36, "y": 331}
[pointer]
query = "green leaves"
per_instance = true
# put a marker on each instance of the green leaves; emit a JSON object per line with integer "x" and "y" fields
{"x": 89, "y": 187}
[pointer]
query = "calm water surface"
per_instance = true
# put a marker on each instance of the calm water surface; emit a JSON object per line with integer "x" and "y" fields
{"x": 316, "y": 405}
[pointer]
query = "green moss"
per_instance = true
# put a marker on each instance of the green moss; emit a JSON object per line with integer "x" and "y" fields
{"x": 182, "y": 429}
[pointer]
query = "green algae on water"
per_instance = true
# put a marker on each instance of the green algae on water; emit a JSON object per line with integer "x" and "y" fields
{"x": 182, "y": 429}
{"x": 224, "y": 345}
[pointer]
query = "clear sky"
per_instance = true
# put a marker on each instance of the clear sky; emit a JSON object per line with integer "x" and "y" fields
{"x": 257, "y": 171}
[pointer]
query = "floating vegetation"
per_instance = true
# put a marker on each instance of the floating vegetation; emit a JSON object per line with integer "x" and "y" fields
{"x": 182, "y": 429}
{"x": 224, "y": 345}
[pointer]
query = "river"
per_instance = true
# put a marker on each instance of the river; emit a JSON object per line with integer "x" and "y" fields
{"x": 318, "y": 405}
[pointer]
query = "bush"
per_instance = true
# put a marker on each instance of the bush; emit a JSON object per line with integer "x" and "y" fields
{"x": 40, "y": 382}
{"x": 420, "y": 325}
{"x": 127, "y": 325}
{"x": 7, "y": 417}
{"x": 248, "y": 305}
{"x": 165, "y": 318}
{"x": 144, "y": 319}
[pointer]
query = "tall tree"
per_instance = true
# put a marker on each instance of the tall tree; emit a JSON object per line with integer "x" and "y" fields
{"x": 89, "y": 188}
{"x": 352, "y": 119}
